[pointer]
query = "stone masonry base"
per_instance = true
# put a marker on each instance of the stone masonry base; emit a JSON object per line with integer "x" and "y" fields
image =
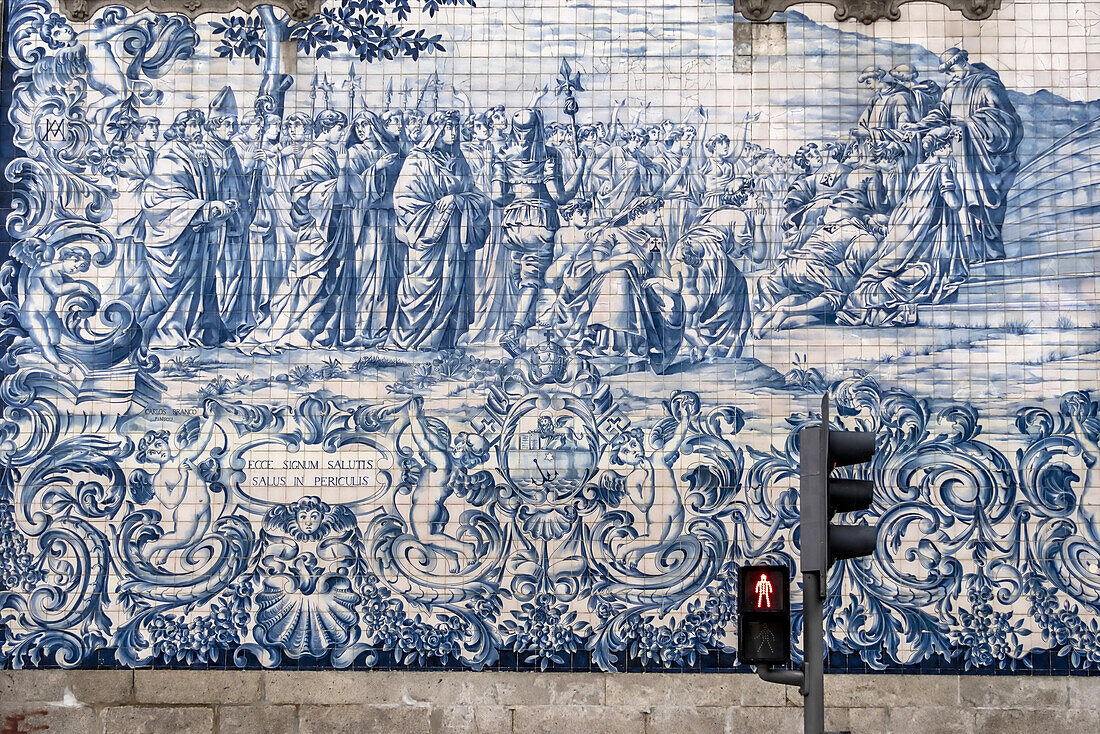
{"x": 228, "y": 702}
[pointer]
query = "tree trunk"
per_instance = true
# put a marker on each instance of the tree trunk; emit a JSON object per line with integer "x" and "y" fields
{"x": 275, "y": 82}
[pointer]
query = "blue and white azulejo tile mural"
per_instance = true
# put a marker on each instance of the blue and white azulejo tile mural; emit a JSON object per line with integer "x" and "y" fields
{"x": 332, "y": 344}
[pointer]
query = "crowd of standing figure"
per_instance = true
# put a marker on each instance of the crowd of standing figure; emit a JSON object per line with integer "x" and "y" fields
{"x": 416, "y": 231}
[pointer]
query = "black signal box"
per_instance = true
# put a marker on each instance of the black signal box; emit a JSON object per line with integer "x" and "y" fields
{"x": 764, "y": 615}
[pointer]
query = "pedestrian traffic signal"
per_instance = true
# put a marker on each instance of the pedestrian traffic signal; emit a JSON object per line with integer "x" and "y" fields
{"x": 764, "y": 615}
{"x": 823, "y": 449}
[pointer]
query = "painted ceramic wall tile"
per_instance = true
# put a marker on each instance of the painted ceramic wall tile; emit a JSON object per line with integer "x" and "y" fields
{"x": 330, "y": 345}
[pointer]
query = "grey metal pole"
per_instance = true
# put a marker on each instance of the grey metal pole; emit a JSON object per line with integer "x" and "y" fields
{"x": 813, "y": 650}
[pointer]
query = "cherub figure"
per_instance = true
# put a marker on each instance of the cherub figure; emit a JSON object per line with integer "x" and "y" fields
{"x": 56, "y": 32}
{"x": 307, "y": 597}
{"x": 307, "y": 517}
{"x": 445, "y": 462}
{"x": 308, "y": 520}
{"x": 664, "y": 519}
{"x": 144, "y": 45}
{"x": 49, "y": 280}
{"x": 468, "y": 451}
{"x": 181, "y": 481}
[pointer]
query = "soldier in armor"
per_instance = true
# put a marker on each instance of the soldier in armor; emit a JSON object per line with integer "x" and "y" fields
{"x": 527, "y": 181}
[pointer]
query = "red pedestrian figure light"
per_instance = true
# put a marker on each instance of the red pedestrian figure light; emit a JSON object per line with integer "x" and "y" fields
{"x": 764, "y": 624}
{"x": 764, "y": 591}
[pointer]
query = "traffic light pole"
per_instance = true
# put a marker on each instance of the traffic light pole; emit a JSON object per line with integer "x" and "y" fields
{"x": 813, "y": 652}
{"x": 823, "y": 449}
{"x": 813, "y": 505}
{"x": 811, "y": 679}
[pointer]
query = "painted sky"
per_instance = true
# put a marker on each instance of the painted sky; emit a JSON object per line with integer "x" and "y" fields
{"x": 669, "y": 59}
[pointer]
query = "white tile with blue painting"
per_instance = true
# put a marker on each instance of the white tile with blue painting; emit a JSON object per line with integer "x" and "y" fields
{"x": 492, "y": 349}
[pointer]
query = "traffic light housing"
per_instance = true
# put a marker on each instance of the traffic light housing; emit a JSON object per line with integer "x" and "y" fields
{"x": 823, "y": 449}
{"x": 764, "y": 615}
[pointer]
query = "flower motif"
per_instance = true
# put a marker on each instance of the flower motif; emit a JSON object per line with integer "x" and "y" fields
{"x": 545, "y": 630}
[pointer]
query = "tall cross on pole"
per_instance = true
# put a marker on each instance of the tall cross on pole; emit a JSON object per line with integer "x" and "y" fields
{"x": 352, "y": 84}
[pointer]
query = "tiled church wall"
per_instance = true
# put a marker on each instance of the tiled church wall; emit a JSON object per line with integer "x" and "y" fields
{"x": 442, "y": 394}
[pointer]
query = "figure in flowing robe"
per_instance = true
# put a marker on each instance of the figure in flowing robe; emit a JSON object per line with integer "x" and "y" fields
{"x": 270, "y": 258}
{"x": 375, "y": 160}
{"x": 769, "y": 185}
{"x": 295, "y": 138}
{"x": 891, "y": 106}
{"x": 183, "y": 234}
{"x": 812, "y": 281}
{"x": 678, "y": 191}
{"x": 495, "y": 294}
{"x": 721, "y": 175}
{"x": 306, "y": 312}
{"x": 892, "y": 109}
{"x": 870, "y": 78}
{"x": 926, "y": 93}
{"x": 594, "y": 140}
{"x": 443, "y": 219}
{"x": 568, "y": 278}
{"x": 710, "y": 279}
{"x": 726, "y": 166}
{"x": 976, "y": 101}
{"x": 626, "y": 173}
{"x": 234, "y": 267}
{"x": 923, "y": 256}
{"x": 628, "y": 318}
{"x": 810, "y": 197}
{"x": 133, "y": 267}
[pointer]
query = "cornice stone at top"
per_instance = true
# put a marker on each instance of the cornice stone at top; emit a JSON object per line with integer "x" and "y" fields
{"x": 82, "y": 10}
{"x": 865, "y": 11}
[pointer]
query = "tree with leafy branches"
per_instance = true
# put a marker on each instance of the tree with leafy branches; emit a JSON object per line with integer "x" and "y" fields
{"x": 372, "y": 30}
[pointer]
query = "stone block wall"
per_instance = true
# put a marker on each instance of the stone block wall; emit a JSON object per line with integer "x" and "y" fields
{"x": 325, "y": 702}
